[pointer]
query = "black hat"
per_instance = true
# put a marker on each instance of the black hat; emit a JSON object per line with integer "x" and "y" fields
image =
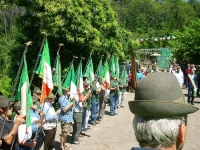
{"x": 159, "y": 95}
{"x": 4, "y": 101}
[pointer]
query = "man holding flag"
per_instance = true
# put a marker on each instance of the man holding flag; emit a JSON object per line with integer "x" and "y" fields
{"x": 9, "y": 134}
{"x": 66, "y": 116}
{"x": 49, "y": 122}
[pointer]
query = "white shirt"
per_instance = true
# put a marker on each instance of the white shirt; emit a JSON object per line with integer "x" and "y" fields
{"x": 179, "y": 76}
{"x": 24, "y": 133}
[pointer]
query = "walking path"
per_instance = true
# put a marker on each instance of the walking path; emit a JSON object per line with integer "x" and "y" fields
{"x": 116, "y": 132}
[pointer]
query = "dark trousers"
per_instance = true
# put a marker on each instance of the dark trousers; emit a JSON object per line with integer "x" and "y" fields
{"x": 77, "y": 116}
{"x": 49, "y": 138}
{"x": 84, "y": 114}
{"x": 102, "y": 106}
{"x": 190, "y": 95}
{"x": 39, "y": 140}
{"x": 198, "y": 88}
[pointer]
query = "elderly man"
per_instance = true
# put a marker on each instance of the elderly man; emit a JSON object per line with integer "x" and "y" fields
{"x": 50, "y": 121}
{"x": 160, "y": 112}
{"x": 9, "y": 134}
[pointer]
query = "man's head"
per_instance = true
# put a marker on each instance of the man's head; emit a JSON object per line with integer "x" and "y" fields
{"x": 160, "y": 111}
{"x": 37, "y": 92}
{"x": 17, "y": 107}
{"x": 86, "y": 85}
{"x": 178, "y": 68}
{"x": 4, "y": 104}
{"x": 66, "y": 91}
{"x": 154, "y": 67}
{"x": 192, "y": 71}
{"x": 50, "y": 98}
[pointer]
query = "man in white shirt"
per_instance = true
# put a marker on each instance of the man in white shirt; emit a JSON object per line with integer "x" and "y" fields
{"x": 179, "y": 75}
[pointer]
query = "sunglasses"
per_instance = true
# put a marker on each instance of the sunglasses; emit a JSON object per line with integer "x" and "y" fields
{"x": 11, "y": 107}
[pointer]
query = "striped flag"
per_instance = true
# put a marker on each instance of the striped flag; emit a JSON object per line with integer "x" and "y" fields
{"x": 45, "y": 72}
{"x": 117, "y": 67}
{"x": 79, "y": 75}
{"x": 106, "y": 75}
{"x": 57, "y": 76}
{"x": 73, "y": 90}
{"x": 99, "y": 68}
{"x": 24, "y": 94}
{"x": 90, "y": 71}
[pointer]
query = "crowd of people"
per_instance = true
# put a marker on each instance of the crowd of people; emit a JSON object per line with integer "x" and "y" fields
{"x": 75, "y": 113}
{"x": 188, "y": 77}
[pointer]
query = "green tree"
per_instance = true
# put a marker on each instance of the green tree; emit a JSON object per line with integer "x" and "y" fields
{"x": 84, "y": 26}
{"x": 187, "y": 44}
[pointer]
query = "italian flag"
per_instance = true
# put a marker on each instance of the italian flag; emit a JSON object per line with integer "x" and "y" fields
{"x": 73, "y": 90}
{"x": 24, "y": 94}
{"x": 79, "y": 75}
{"x": 117, "y": 67}
{"x": 106, "y": 75}
{"x": 89, "y": 71}
{"x": 44, "y": 71}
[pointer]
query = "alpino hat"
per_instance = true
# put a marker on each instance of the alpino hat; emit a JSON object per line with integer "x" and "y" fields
{"x": 4, "y": 101}
{"x": 66, "y": 88}
{"x": 159, "y": 95}
{"x": 51, "y": 95}
{"x": 37, "y": 90}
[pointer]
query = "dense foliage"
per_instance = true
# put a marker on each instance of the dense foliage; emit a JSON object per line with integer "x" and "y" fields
{"x": 101, "y": 27}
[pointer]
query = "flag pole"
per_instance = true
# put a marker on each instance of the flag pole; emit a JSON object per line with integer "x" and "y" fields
{"x": 88, "y": 62}
{"x": 15, "y": 84}
{"x": 133, "y": 71}
{"x": 60, "y": 45}
{"x": 39, "y": 55}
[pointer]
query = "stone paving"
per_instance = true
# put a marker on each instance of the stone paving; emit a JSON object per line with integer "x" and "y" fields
{"x": 116, "y": 132}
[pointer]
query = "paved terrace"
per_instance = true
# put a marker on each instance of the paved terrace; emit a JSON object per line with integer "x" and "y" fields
{"x": 116, "y": 132}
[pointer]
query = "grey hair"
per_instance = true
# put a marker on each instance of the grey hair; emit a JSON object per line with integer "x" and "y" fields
{"x": 157, "y": 132}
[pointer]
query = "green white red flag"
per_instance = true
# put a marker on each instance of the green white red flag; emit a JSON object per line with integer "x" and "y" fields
{"x": 79, "y": 75}
{"x": 24, "y": 94}
{"x": 45, "y": 72}
{"x": 106, "y": 75}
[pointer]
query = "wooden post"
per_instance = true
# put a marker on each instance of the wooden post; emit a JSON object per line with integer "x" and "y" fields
{"x": 133, "y": 71}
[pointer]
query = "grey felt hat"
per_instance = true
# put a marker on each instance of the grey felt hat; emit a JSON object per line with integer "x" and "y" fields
{"x": 159, "y": 95}
{"x": 37, "y": 90}
{"x": 4, "y": 101}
